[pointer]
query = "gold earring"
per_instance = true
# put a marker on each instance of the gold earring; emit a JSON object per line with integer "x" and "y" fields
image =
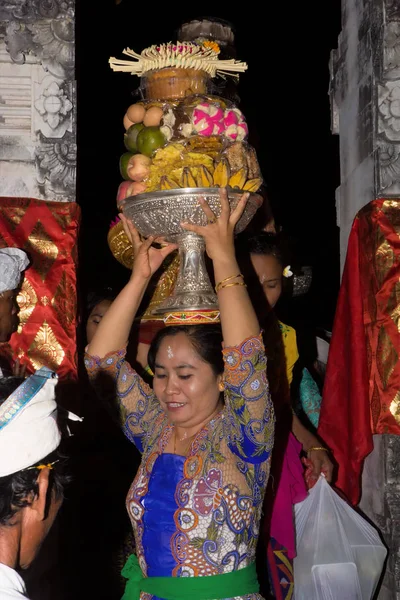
{"x": 221, "y": 386}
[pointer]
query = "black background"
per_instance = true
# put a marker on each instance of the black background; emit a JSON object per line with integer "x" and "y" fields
{"x": 284, "y": 96}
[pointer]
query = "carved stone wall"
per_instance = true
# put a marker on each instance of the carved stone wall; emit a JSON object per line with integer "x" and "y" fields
{"x": 37, "y": 99}
{"x": 365, "y": 103}
{"x": 365, "y": 108}
{"x": 381, "y": 502}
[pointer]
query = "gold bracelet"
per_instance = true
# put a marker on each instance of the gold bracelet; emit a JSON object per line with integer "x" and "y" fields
{"x": 317, "y": 448}
{"x": 217, "y": 287}
{"x": 230, "y": 285}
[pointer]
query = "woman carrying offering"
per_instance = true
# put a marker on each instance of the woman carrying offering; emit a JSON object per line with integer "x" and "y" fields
{"x": 205, "y": 431}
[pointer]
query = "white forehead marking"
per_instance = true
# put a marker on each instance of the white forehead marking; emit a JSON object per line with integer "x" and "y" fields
{"x": 170, "y": 352}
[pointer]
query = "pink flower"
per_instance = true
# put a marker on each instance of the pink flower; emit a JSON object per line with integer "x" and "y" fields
{"x": 113, "y": 223}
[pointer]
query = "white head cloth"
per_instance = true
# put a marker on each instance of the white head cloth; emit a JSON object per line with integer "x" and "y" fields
{"x": 13, "y": 262}
{"x": 28, "y": 423}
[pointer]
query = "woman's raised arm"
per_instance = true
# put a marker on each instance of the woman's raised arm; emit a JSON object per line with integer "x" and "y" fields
{"x": 113, "y": 330}
{"x": 238, "y": 318}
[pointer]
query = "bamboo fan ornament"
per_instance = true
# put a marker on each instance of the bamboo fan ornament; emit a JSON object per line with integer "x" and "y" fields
{"x": 182, "y": 55}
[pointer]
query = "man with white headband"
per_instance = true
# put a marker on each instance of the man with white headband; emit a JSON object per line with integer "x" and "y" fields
{"x": 13, "y": 263}
{"x": 31, "y": 475}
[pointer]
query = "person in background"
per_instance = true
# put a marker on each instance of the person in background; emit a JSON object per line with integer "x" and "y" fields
{"x": 13, "y": 263}
{"x": 308, "y": 393}
{"x": 32, "y": 477}
{"x": 322, "y": 353}
{"x": 267, "y": 274}
{"x": 140, "y": 336}
{"x": 262, "y": 263}
{"x": 265, "y": 220}
{"x": 102, "y": 463}
{"x": 97, "y": 305}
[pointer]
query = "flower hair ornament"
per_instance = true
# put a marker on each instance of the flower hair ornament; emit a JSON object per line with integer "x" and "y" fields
{"x": 287, "y": 272}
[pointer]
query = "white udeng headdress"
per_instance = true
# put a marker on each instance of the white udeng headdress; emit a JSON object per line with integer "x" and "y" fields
{"x": 13, "y": 262}
{"x": 28, "y": 423}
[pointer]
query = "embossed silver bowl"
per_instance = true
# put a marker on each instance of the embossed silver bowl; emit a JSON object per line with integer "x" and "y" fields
{"x": 161, "y": 213}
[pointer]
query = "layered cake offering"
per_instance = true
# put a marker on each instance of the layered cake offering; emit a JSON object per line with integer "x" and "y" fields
{"x": 180, "y": 135}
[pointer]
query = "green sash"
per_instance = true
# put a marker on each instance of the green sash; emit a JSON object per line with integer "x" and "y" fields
{"x": 212, "y": 587}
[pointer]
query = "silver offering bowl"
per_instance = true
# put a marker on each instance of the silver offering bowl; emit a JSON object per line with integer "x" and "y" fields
{"x": 161, "y": 213}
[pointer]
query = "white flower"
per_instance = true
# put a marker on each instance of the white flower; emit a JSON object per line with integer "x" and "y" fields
{"x": 287, "y": 272}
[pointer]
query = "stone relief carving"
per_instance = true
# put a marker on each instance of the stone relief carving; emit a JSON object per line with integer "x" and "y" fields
{"x": 384, "y": 28}
{"x": 335, "y": 113}
{"x": 33, "y": 10}
{"x": 337, "y": 85}
{"x": 37, "y": 121}
{"x": 391, "y": 50}
{"x": 18, "y": 41}
{"x": 54, "y": 45}
{"x": 388, "y": 106}
{"x": 56, "y": 163}
{"x": 392, "y": 8}
{"x": 389, "y": 110}
{"x": 380, "y": 502}
{"x": 389, "y": 168}
{"x": 44, "y": 27}
{"x": 54, "y": 108}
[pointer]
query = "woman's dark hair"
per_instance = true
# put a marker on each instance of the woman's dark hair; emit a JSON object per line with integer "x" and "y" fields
{"x": 205, "y": 339}
{"x": 263, "y": 243}
{"x": 94, "y": 298}
{"x": 17, "y": 488}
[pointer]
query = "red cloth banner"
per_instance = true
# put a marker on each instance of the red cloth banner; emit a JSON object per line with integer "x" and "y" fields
{"x": 48, "y": 232}
{"x": 362, "y": 387}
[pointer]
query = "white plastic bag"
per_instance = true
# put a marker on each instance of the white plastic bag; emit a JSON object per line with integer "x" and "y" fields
{"x": 339, "y": 554}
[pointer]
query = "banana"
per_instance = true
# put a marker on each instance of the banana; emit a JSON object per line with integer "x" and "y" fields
{"x": 166, "y": 183}
{"x": 191, "y": 180}
{"x": 238, "y": 179}
{"x": 221, "y": 173}
{"x": 252, "y": 185}
{"x": 204, "y": 177}
{"x": 188, "y": 181}
{"x": 183, "y": 178}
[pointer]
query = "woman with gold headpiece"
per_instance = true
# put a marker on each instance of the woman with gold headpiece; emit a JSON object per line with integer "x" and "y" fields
{"x": 205, "y": 432}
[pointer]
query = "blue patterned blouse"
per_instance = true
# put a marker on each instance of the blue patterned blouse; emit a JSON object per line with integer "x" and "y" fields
{"x": 199, "y": 514}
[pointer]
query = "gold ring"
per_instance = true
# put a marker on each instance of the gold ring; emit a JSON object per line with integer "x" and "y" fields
{"x": 212, "y": 221}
